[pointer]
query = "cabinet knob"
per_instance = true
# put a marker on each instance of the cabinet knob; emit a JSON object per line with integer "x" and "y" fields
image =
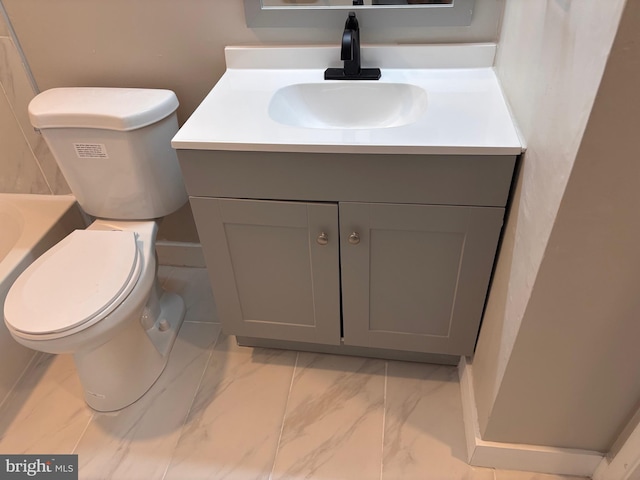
{"x": 354, "y": 238}
{"x": 322, "y": 239}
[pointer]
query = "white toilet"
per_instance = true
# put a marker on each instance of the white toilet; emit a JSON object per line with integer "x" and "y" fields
{"x": 95, "y": 294}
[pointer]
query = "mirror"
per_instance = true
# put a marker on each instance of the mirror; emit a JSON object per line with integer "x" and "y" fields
{"x": 372, "y": 13}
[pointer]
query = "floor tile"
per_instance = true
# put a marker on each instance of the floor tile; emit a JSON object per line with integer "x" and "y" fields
{"x": 333, "y": 424}
{"x": 234, "y": 425}
{"x": 46, "y": 412}
{"x": 164, "y": 272}
{"x": 239, "y": 413}
{"x": 424, "y": 433}
{"x": 194, "y": 287}
{"x": 137, "y": 442}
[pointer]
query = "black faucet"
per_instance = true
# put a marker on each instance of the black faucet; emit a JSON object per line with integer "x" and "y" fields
{"x": 350, "y": 54}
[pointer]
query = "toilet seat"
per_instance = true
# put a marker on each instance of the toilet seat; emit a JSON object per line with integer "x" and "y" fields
{"x": 74, "y": 284}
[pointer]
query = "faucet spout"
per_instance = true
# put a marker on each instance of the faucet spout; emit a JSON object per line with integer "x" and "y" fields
{"x": 347, "y": 45}
{"x": 351, "y": 46}
{"x": 350, "y": 55}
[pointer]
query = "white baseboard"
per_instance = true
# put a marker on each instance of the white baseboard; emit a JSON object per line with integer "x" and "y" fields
{"x": 515, "y": 456}
{"x": 180, "y": 254}
{"x": 625, "y": 465}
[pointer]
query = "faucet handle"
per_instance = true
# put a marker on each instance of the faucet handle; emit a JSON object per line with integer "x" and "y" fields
{"x": 352, "y": 22}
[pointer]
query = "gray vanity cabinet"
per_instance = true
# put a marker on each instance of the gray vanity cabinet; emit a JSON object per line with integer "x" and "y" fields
{"x": 380, "y": 255}
{"x": 412, "y": 277}
{"x": 276, "y": 267}
{"x": 416, "y": 276}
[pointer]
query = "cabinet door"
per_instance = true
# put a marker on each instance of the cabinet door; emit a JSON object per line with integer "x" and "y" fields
{"x": 272, "y": 277}
{"x": 417, "y": 277}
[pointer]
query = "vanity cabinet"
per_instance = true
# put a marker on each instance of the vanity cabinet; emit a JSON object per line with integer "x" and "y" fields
{"x": 272, "y": 275}
{"x": 417, "y": 276}
{"x": 391, "y": 253}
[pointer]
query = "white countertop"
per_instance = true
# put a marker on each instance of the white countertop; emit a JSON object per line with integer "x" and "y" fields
{"x": 466, "y": 112}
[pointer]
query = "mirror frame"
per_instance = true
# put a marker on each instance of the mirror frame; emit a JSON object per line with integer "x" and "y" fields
{"x": 458, "y": 14}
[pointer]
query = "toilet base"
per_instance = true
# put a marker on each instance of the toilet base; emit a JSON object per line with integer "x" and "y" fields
{"x": 165, "y": 330}
{"x": 119, "y": 372}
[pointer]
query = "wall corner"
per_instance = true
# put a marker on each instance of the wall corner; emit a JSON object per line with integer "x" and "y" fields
{"x": 511, "y": 456}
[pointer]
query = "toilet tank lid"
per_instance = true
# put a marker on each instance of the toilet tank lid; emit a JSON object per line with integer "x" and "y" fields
{"x": 97, "y": 107}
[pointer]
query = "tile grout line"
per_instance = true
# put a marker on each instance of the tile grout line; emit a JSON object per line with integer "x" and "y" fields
{"x": 86, "y": 427}
{"x": 384, "y": 416}
{"x": 193, "y": 399}
{"x": 284, "y": 416}
{"x": 168, "y": 276}
{"x": 35, "y": 358}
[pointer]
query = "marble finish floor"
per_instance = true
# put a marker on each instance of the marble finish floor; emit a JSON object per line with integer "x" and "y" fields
{"x": 220, "y": 411}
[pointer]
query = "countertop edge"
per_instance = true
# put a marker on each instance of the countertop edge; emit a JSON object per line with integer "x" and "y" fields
{"x": 351, "y": 149}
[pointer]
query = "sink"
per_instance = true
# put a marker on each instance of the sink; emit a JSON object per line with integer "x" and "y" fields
{"x": 348, "y": 105}
{"x": 431, "y": 100}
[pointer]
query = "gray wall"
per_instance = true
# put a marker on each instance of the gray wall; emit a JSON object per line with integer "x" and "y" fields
{"x": 26, "y": 165}
{"x": 176, "y": 44}
{"x": 561, "y": 369}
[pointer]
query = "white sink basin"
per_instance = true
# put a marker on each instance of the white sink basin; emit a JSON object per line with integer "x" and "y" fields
{"x": 431, "y": 100}
{"x": 348, "y": 105}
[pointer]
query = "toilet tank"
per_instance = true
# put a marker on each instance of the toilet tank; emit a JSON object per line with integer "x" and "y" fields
{"x": 113, "y": 146}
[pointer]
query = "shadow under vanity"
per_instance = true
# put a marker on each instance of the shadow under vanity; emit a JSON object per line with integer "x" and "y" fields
{"x": 364, "y": 241}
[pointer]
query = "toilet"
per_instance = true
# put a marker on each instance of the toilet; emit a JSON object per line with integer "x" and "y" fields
{"x": 96, "y": 293}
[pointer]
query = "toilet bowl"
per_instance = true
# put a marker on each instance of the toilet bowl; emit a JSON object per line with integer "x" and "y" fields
{"x": 95, "y": 294}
